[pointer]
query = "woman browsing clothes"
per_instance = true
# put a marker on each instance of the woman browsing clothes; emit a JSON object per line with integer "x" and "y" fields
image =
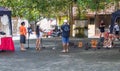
{"x": 38, "y": 36}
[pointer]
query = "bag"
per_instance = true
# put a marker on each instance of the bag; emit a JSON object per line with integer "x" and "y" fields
{"x": 2, "y": 33}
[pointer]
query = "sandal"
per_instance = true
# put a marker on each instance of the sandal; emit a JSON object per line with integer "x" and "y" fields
{"x": 67, "y": 50}
{"x": 23, "y": 49}
{"x": 38, "y": 49}
{"x": 63, "y": 51}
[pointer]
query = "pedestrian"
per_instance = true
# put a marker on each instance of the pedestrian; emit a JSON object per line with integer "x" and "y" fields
{"x": 65, "y": 35}
{"x": 23, "y": 33}
{"x": 102, "y": 27}
{"x": 116, "y": 29}
{"x": 38, "y": 37}
{"x": 29, "y": 30}
{"x": 102, "y": 38}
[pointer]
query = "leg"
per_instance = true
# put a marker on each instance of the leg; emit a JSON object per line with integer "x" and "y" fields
{"x": 63, "y": 44}
{"x": 22, "y": 42}
{"x": 37, "y": 44}
{"x": 67, "y": 47}
{"x": 67, "y": 44}
{"x": 22, "y": 47}
{"x": 117, "y": 35}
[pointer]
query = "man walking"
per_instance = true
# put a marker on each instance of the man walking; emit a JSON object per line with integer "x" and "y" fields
{"x": 65, "y": 35}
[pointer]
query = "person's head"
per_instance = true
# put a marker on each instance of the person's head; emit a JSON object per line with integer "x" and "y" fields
{"x": 22, "y": 23}
{"x": 37, "y": 27}
{"x": 102, "y": 22}
{"x": 65, "y": 21}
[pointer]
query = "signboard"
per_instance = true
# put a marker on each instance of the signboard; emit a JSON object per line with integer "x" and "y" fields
{"x": 91, "y": 31}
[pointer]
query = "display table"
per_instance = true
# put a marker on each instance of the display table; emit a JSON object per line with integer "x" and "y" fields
{"x": 6, "y": 44}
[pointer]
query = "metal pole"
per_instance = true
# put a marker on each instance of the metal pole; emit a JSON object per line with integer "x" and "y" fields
{"x": 28, "y": 40}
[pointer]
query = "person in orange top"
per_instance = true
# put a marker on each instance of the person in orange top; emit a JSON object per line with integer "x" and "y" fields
{"x": 23, "y": 33}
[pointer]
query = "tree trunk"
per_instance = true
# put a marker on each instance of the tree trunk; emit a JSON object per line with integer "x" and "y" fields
{"x": 71, "y": 19}
{"x": 96, "y": 14}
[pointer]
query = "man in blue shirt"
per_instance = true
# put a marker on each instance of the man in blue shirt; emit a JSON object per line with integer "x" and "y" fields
{"x": 65, "y": 35}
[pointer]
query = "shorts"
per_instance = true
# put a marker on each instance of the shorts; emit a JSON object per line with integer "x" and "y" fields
{"x": 65, "y": 40}
{"x": 116, "y": 32}
{"x": 102, "y": 30}
{"x": 38, "y": 36}
{"x": 22, "y": 39}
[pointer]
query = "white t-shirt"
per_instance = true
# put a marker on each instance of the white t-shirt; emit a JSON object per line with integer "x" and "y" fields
{"x": 116, "y": 27}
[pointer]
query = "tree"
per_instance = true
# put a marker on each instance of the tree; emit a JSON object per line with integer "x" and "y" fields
{"x": 32, "y": 9}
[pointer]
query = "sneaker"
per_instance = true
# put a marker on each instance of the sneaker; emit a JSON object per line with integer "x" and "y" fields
{"x": 63, "y": 51}
{"x": 38, "y": 49}
{"x": 23, "y": 49}
{"x": 67, "y": 50}
{"x": 110, "y": 46}
{"x": 104, "y": 46}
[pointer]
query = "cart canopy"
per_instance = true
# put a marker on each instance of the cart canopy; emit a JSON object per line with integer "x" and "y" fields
{"x": 114, "y": 17}
{"x": 5, "y": 11}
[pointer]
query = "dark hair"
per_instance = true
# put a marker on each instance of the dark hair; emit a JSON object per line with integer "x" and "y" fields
{"x": 37, "y": 29}
{"x": 23, "y": 23}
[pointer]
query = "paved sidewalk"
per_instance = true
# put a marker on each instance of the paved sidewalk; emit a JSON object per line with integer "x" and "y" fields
{"x": 49, "y": 59}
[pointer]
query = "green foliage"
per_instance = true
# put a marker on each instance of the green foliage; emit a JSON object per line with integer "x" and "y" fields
{"x": 33, "y": 9}
{"x": 93, "y": 4}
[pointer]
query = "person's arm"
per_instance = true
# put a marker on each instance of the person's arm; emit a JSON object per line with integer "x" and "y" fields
{"x": 41, "y": 30}
{"x": 30, "y": 30}
{"x": 61, "y": 28}
{"x": 69, "y": 29}
{"x": 24, "y": 31}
